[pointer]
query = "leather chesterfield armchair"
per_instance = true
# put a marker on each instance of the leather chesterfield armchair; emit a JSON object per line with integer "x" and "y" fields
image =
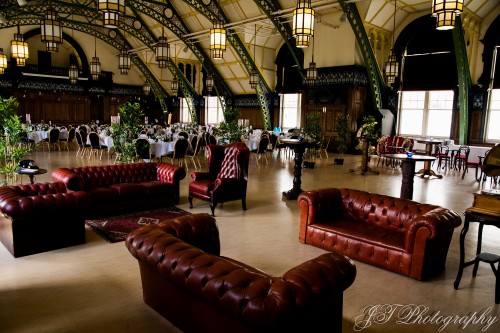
{"x": 400, "y": 235}
{"x": 41, "y": 217}
{"x": 226, "y": 177}
{"x": 185, "y": 279}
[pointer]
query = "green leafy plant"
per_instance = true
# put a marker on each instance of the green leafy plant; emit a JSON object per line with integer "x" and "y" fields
{"x": 343, "y": 131}
{"x": 229, "y": 131}
{"x": 127, "y": 131}
{"x": 369, "y": 131}
{"x": 12, "y": 150}
{"x": 313, "y": 130}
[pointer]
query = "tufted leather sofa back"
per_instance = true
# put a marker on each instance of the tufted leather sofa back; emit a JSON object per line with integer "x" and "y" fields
{"x": 96, "y": 176}
{"x": 235, "y": 162}
{"x": 381, "y": 210}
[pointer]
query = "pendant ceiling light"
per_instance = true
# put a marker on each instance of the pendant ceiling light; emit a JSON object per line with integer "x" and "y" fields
{"x": 209, "y": 82}
{"x": 446, "y": 12}
{"x": 175, "y": 80}
{"x": 303, "y": 23}
{"x": 162, "y": 51}
{"x": 254, "y": 75}
{"x": 312, "y": 71}
{"x": 19, "y": 48}
{"x": 392, "y": 64}
{"x": 95, "y": 65}
{"x": 146, "y": 88}
{"x": 124, "y": 58}
{"x": 217, "y": 40}
{"x": 73, "y": 74}
{"x": 51, "y": 30}
{"x": 3, "y": 61}
{"x": 112, "y": 10}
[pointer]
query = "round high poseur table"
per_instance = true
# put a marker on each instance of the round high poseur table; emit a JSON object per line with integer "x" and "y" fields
{"x": 408, "y": 171}
{"x": 364, "y": 168}
{"x": 427, "y": 171}
{"x": 299, "y": 147}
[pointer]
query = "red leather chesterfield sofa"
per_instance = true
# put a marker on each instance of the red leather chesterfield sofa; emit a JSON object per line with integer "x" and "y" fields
{"x": 399, "y": 235}
{"x": 122, "y": 188}
{"x": 185, "y": 279}
{"x": 41, "y": 217}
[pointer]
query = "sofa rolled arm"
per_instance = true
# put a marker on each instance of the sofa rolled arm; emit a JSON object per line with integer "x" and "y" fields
{"x": 437, "y": 222}
{"x": 227, "y": 185}
{"x": 199, "y": 230}
{"x": 322, "y": 278}
{"x": 57, "y": 203}
{"x": 169, "y": 173}
{"x": 72, "y": 180}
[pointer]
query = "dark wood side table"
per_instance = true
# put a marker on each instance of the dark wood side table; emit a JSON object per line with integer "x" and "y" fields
{"x": 299, "y": 147}
{"x": 426, "y": 170}
{"x": 408, "y": 171}
{"x": 364, "y": 168}
{"x": 31, "y": 173}
{"x": 492, "y": 259}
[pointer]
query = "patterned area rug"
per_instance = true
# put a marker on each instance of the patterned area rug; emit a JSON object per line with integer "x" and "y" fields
{"x": 116, "y": 228}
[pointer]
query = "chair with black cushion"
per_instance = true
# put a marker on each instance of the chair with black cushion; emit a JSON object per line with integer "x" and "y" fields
{"x": 70, "y": 138}
{"x": 183, "y": 134}
{"x": 83, "y": 146}
{"x": 261, "y": 151}
{"x": 179, "y": 153}
{"x": 143, "y": 148}
{"x": 95, "y": 145}
{"x": 195, "y": 149}
{"x": 226, "y": 176}
{"x": 52, "y": 139}
{"x": 26, "y": 142}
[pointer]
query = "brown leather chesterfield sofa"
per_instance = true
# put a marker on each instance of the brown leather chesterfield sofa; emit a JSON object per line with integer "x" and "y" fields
{"x": 399, "y": 235}
{"x": 122, "y": 188}
{"x": 185, "y": 279}
{"x": 41, "y": 217}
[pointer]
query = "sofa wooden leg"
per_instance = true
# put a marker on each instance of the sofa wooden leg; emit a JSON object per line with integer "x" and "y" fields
{"x": 244, "y": 203}
{"x": 190, "y": 199}
{"x": 212, "y": 207}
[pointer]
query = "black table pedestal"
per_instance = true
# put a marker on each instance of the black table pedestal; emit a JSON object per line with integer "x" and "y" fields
{"x": 293, "y": 194}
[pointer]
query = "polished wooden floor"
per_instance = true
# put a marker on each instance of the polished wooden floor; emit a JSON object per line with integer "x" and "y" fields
{"x": 96, "y": 287}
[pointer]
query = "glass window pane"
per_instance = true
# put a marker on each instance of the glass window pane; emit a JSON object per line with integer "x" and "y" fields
{"x": 493, "y": 126}
{"x": 411, "y": 122}
{"x": 439, "y": 123}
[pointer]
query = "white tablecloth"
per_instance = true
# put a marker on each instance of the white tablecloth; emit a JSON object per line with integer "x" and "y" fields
{"x": 38, "y": 136}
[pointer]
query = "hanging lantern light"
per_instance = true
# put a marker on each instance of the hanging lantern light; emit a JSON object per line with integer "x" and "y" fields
{"x": 392, "y": 64}
{"x": 51, "y": 31}
{"x": 20, "y": 62}
{"x": 95, "y": 65}
{"x": 124, "y": 62}
{"x": 303, "y": 23}
{"x": 19, "y": 48}
{"x": 254, "y": 75}
{"x": 209, "y": 82}
{"x": 95, "y": 68}
{"x": 446, "y": 12}
{"x": 162, "y": 52}
{"x": 217, "y": 40}
{"x": 175, "y": 84}
{"x": 312, "y": 71}
{"x": 146, "y": 88}
{"x": 112, "y": 10}
{"x": 73, "y": 74}
{"x": 3, "y": 61}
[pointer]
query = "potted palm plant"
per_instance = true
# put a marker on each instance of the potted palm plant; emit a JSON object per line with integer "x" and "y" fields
{"x": 343, "y": 133}
{"x": 12, "y": 151}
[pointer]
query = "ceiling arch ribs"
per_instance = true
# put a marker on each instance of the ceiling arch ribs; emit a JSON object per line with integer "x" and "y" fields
{"x": 214, "y": 12}
{"x": 177, "y": 26}
{"x": 109, "y": 36}
{"x": 272, "y": 8}
{"x": 155, "y": 11}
